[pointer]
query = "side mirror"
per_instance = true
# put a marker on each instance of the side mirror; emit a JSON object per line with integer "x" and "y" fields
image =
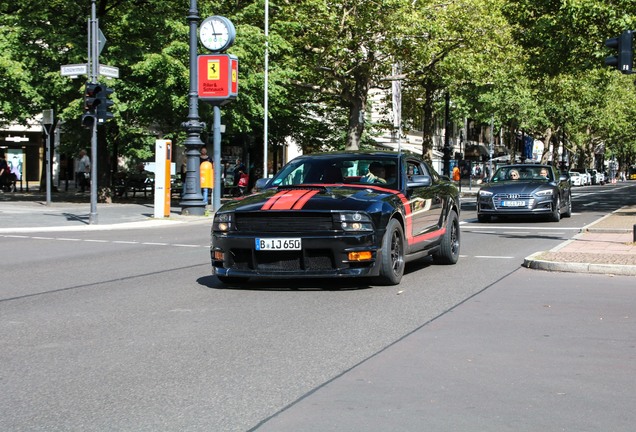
{"x": 261, "y": 184}
{"x": 419, "y": 181}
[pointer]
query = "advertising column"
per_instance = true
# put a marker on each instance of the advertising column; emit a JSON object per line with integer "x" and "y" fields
{"x": 163, "y": 157}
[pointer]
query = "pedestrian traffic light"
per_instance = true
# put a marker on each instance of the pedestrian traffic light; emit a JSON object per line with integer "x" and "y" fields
{"x": 624, "y": 58}
{"x": 103, "y": 107}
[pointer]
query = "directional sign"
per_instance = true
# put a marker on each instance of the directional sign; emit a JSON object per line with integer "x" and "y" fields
{"x": 101, "y": 39}
{"x": 109, "y": 71}
{"x": 74, "y": 69}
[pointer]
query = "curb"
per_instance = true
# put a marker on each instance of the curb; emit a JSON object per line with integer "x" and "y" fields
{"x": 532, "y": 262}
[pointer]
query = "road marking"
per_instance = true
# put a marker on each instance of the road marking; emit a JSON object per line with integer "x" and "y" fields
{"x": 491, "y": 227}
{"x": 494, "y": 257}
{"x": 590, "y": 204}
{"x": 103, "y": 241}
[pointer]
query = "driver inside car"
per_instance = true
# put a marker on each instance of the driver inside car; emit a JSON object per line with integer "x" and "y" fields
{"x": 376, "y": 174}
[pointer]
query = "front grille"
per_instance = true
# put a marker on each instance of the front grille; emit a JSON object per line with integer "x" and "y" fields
{"x": 272, "y": 222}
{"x": 282, "y": 261}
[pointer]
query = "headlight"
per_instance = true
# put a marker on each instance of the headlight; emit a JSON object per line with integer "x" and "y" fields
{"x": 223, "y": 222}
{"x": 547, "y": 192}
{"x": 355, "y": 222}
{"x": 485, "y": 193}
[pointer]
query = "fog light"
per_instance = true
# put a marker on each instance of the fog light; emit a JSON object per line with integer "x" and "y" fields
{"x": 219, "y": 255}
{"x": 360, "y": 256}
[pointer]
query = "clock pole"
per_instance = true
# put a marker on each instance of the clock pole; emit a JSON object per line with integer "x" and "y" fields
{"x": 192, "y": 199}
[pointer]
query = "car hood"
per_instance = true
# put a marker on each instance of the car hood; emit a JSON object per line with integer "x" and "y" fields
{"x": 517, "y": 186}
{"x": 311, "y": 198}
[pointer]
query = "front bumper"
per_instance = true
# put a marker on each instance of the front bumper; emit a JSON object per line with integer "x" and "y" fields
{"x": 532, "y": 205}
{"x": 320, "y": 256}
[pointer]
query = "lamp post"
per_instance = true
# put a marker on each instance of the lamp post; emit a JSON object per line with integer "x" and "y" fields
{"x": 192, "y": 200}
{"x": 491, "y": 147}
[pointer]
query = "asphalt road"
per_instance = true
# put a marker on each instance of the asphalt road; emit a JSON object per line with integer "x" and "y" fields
{"x": 127, "y": 330}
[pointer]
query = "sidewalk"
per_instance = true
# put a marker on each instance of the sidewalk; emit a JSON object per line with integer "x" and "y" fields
{"x": 23, "y": 212}
{"x": 605, "y": 246}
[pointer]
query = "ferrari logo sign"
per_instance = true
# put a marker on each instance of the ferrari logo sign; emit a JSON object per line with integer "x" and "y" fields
{"x": 214, "y": 73}
{"x": 217, "y": 78}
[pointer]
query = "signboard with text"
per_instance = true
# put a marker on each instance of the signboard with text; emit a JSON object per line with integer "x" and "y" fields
{"x": 217, "y": 78}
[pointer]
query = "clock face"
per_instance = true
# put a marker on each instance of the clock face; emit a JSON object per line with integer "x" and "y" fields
{"x": 216, "y": 33}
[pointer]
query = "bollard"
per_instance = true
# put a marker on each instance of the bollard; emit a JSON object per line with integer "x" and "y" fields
{"x": 634, "y": 233}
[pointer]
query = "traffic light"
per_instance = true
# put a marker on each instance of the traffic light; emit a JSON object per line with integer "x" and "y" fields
{"x": 90, "y": 104}
{"x": 103, "y": 107}
{"x": 624, "y": 58}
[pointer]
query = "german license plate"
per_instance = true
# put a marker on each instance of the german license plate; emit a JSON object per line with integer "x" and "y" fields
{"x": 278, "y": 244}
{"x": 513, "y": 203}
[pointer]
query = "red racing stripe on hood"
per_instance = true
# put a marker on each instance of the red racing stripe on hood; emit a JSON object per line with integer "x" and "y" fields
{"x": 289, "y": 199}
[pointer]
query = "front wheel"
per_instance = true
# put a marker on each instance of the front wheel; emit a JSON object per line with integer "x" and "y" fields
{"x": 449, "y": 247}
{"x": 555, "y": 216}
{"x": 568, "y": 210}
{"x": 392, "y": 264}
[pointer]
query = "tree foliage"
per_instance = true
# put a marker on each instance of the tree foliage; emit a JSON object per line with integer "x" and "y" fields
{"x": 534, "y": 65}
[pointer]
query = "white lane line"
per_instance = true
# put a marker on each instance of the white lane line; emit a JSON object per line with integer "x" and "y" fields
{"x": 491, "y": 227}
{"x": 104, "y": 241}
{"x": 494, "y": 257}
{"x": 590, "y": 204}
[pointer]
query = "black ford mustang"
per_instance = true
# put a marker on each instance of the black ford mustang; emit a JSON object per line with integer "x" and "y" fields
{"x": 347, "y": 214}
{"x": 526, "y": 190}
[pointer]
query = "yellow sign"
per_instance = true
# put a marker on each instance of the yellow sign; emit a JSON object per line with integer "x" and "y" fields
{"x": 214, "y": 70}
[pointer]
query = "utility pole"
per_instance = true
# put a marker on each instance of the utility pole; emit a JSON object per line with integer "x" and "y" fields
{"x": 93, "y": 68}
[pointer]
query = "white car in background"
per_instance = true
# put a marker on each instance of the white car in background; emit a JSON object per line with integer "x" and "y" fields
{"x": 586, "y": 178}
{"x": 576, "y": 179}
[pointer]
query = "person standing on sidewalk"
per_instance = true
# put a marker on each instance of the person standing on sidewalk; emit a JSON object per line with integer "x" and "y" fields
{"x": 83, "y": 170}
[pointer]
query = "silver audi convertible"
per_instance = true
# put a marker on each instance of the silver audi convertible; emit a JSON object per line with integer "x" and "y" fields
{"x": 525, "y": 190}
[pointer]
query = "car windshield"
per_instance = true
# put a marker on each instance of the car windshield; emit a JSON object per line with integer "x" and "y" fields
{"x": 522, "y": 173}
{"x": 361, "y": 169}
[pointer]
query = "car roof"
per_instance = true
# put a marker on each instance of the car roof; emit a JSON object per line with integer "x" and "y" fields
{"x": 357, "y": 153}
{"x": 525, "y": 166}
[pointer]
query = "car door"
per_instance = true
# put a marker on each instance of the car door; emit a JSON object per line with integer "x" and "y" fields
{"x": 426, "y": 203}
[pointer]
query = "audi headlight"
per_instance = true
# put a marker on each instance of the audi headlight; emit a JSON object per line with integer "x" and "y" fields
{"x": 547, "y": 192}
{"x": 355, "y": 222}
{"x": 223, "y": 222}
{"x": 485, "y": 193}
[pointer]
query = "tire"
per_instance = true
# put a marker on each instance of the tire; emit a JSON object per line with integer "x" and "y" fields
{"x": 483, "y": 218}
{"x": 449, "y": 247}
{"x": 555, "y": 216}
{"x": 392, "y": 264}
{"x": 568, "y": 211}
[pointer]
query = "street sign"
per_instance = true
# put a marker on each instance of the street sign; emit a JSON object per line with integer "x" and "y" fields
{"x": 109, "y": 71}
{"x": 74, "y": 70}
